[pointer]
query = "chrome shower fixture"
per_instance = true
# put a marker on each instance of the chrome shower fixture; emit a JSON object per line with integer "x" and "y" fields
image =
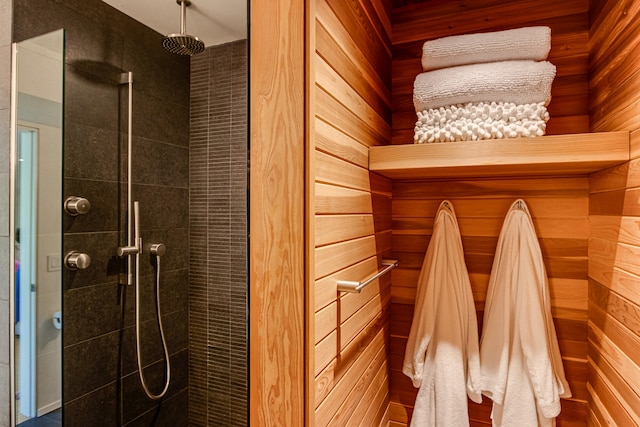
{"x": 132, "y": 251}
{"x": 183, "y": 44}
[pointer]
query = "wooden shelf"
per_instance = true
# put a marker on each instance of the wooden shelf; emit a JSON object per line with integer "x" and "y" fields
{"x": 576, "y": 154}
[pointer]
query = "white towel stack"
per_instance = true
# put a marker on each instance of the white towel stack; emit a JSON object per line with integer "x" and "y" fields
{"x": 484, "y": 86}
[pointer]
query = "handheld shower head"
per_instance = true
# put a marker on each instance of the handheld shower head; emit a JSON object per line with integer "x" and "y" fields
{"x": 183, "y": 44}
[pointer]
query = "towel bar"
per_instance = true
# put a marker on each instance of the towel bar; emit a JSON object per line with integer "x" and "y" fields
{"x": 353, "y": 286}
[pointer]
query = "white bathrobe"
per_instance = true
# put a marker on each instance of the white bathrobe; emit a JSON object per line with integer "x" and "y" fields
{"x": 520, "y": 361}
{"x": 442, "y": 354}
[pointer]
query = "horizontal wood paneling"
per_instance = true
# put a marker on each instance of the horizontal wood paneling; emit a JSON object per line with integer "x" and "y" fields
{"x": 330, "y": 81}
{"x": 336, "y": 171}
{"x": 353, "y": 108}
{"x": 416, "y": 23}
{"x": 333, "y": 258}
{"x": 350, "y": 225}
{"x": 330, "y": 199}
{"x": 605, "y": 351}
{"x": 624, "y": 340}
{"x": 348, "y": 394}
{"x": 377, "y": 398}
{"x": 330, "y": 140}
{"x": 333, "y": 381}
{"x": 480, "y": 189}
{"x": 337, "y": 228}
{"x": 365, "y": 348}
{"x": 326, "y": 288}
{"x": 614, "y": 72}
{"x": 433, "y": 19}
{"x": 614, "y": 245}
{"x": 336, "y": 44}
{"x": 603, "y": 380}
{"x": 614, "y": 340}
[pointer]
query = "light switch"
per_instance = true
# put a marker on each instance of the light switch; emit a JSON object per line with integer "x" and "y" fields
{"x": 53, "y": 262}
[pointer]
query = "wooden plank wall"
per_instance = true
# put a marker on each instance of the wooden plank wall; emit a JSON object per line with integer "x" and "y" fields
{"x": 349, "y": 216}
{"x": 277, "y": 218}
{"x": 559, "y": 205}
{"x": 614, "y": 245}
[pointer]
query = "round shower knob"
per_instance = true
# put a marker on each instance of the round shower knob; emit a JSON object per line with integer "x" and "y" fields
{"x": 77, "y": 260}
{"x": 75, "y": 205}
{"x": 158, "y": 249}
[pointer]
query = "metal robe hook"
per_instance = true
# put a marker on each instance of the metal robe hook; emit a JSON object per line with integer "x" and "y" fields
{"x": 447, "y": 205}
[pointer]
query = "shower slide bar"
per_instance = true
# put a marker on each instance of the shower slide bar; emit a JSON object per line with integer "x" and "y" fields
{"x": 134, "y": 244}
{"x": 353, "y": 286}
{"x": 133, "y": 250}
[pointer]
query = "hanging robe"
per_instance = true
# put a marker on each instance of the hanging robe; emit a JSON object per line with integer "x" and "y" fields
{"x": 442, "y": 354}
{"x": 520, "y": 362}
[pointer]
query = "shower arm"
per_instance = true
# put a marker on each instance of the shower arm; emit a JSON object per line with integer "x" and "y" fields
{"x": 183, "y": 16}
{"x": 183, "y": 44}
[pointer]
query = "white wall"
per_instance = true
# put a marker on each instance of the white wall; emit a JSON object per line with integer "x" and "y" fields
{"x": 5, "y": 267}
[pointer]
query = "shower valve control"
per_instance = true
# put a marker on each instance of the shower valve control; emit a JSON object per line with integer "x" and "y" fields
{"x": 158, "y": 249}
{"x": 77, "y": 260}
{"x": 75, "y": 205}
{"x": 128, "y": 250}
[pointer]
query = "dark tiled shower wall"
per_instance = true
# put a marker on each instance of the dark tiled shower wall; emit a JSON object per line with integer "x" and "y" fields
{"x": 218, "y": 373}
{"x": 101, "y": 384}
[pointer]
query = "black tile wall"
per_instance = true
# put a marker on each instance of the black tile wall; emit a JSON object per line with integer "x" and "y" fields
{"x": 218, "y": 364}
{"x": 101, "y": 384}
{"x": 82, "y": 412}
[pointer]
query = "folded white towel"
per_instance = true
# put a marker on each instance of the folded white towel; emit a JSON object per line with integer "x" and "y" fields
{"x": 479, "y": 121}
{"x": 519, "y": 82}
{"x": 521, "y": 43}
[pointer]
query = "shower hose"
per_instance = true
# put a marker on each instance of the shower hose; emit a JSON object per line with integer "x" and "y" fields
{"x": 156, "y": 250}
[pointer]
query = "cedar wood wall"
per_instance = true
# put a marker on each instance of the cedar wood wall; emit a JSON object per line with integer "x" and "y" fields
{"x": 355, "y": 343}
{"x": 349, "y": 211}
{"x": 559, "y": 204}
{"x": 587, "y": 225}
{"x": 614, "y": 245}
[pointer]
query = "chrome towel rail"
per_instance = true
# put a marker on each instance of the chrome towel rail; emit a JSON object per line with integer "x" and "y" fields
{"x": 352, "y": 286}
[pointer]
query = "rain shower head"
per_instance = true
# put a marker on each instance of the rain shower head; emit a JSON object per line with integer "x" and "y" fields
{"x": 183, "y": 44}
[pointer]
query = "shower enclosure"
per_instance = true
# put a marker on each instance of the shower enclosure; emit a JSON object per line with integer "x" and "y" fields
{"x": 189, "y": 174}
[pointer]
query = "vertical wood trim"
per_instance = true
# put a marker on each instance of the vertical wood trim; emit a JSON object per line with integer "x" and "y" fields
{"x": 310, "y": 221}
{"x": 277, "y": 187}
